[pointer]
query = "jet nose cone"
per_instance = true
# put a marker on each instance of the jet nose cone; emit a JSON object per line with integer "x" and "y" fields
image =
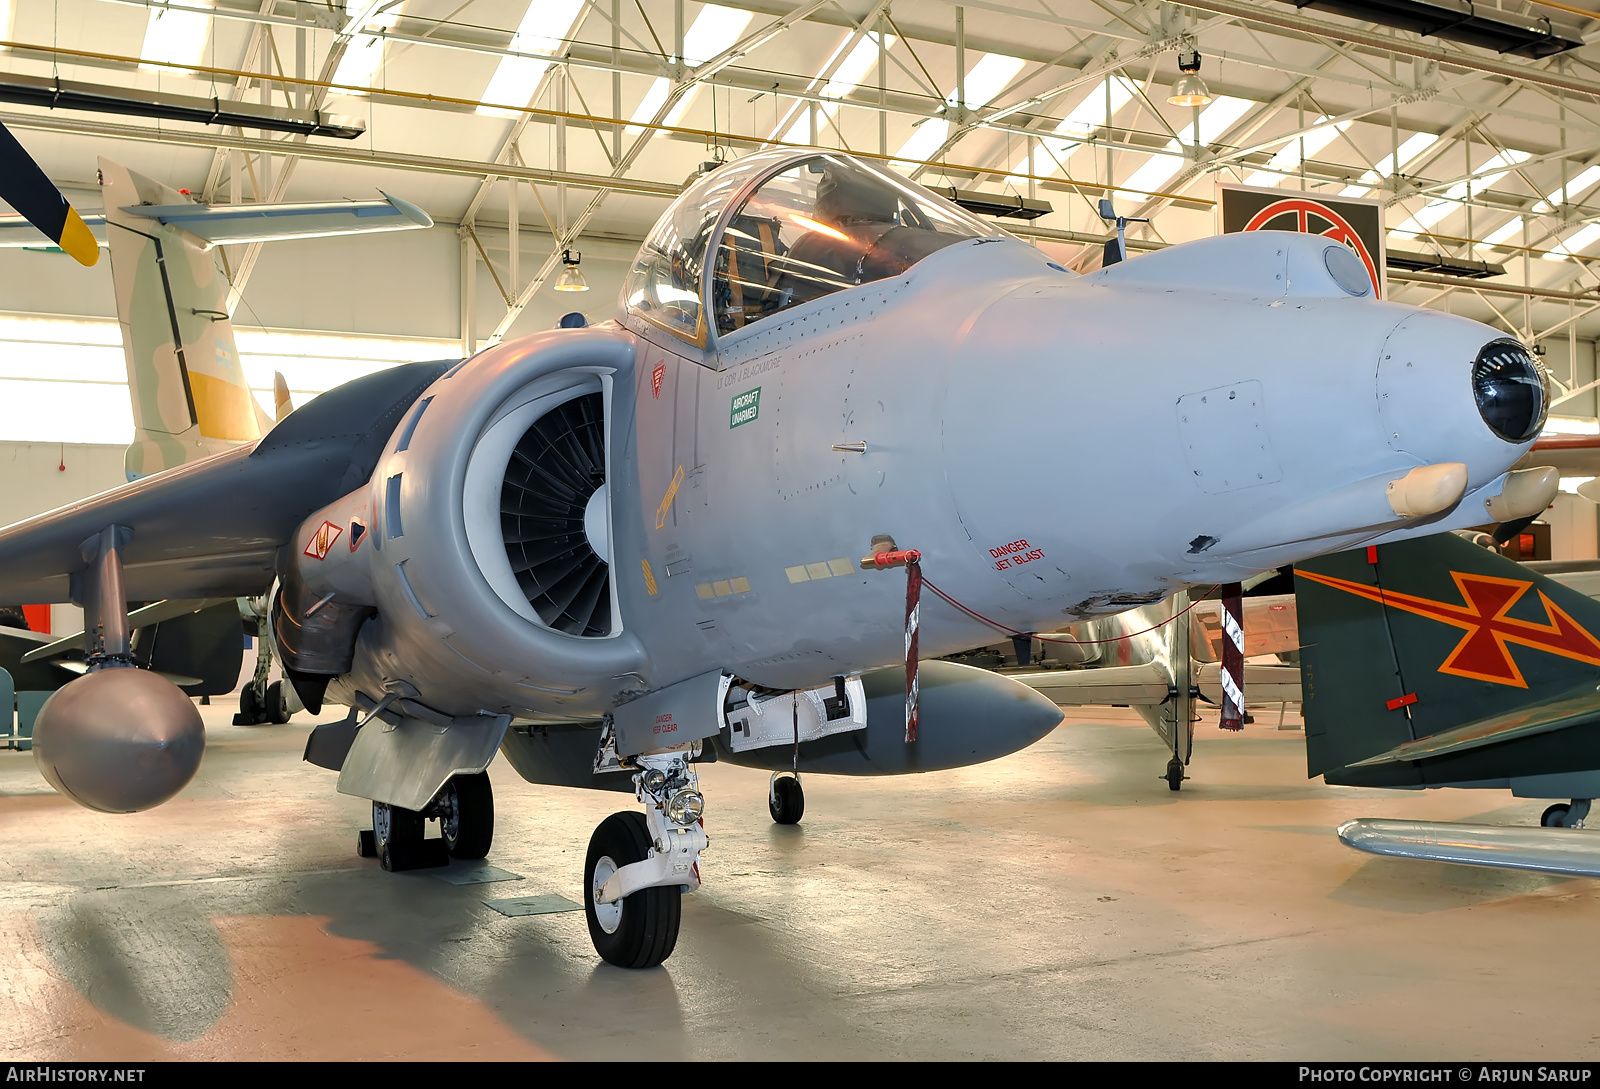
{"x": 1450, "y": 389}
{"x": 1511, "y": 388}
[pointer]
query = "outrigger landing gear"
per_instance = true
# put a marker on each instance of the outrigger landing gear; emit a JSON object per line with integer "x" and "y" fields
{"x": 1566, "y": 815}
{"x": 1174, "y": 775}
{"x": 640, "y": 865}
{"x": 786, "y": 801}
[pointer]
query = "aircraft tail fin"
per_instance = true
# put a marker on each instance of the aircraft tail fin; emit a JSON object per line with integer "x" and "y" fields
{"x": 1432, "y": 636}
{"x": 190, "y": 395}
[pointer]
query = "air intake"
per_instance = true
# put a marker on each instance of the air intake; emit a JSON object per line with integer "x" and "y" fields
{"x": 558, "y": 464}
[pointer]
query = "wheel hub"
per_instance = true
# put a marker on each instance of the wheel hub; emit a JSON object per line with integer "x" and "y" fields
{"x": 609, "y": 916}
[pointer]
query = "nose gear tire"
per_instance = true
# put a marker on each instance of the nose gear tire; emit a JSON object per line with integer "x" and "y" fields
{"x": 467, "y": 821}
{"x": 786, "y": 801}
{"x": 648, "y": 929}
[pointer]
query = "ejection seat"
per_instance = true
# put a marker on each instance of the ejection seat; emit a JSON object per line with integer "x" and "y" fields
{"x": 747, "y": 284}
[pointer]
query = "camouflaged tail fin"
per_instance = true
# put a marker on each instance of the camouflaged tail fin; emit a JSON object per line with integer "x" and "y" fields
{"x": 1404, "y": 641}
{"x": 190, "y": 395}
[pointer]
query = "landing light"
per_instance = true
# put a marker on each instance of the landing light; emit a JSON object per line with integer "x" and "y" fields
{"x": 685, "y": 807}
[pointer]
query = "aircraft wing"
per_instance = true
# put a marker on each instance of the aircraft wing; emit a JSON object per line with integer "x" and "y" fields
{"x": 1263, "y": 683}
{"x": 1132, "y": 685}
{"x": 212, "y": 528}
{"x": 1578, "y": 707}
{"x": 227, "y": 224}
{"x": 1571, "y": 852}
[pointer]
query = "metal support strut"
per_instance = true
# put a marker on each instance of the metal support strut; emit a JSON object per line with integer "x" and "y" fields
{"x": 107, "y": 637}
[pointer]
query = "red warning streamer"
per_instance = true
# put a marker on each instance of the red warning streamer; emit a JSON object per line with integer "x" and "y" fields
{"x": 1232, "y": 657}
{"x": 913, "y": 563}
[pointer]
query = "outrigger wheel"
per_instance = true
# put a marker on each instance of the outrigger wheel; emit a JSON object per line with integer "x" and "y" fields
{"x": 786, "y": 800}
{"x": 1174, "y": 775}
{"x": 638, "y": 931}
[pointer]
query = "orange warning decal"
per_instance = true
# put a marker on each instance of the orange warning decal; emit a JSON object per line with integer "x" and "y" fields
{"x": 322, "y": 540}
{"x": 1484, "y": 652}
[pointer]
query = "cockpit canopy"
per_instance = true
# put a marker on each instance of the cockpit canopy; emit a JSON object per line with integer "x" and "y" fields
{"x": 782, "y": 228}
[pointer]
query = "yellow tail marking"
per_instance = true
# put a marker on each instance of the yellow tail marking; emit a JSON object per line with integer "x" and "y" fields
{"x": 225, "y": 411}
{"x": 77, "y": 240}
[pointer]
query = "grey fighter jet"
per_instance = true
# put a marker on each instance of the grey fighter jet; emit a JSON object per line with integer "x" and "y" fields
{"x": 609, "y": 552}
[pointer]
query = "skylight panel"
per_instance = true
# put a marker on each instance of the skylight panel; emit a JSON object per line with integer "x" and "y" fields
{"x": 1291, "y": 155}
{"x": 171, "y": 37}
{"x": 846, "y": 78}
{"x": 1153, "y": 174}
{"x": 925, "y": 140}
{"x": 714, "y": 30}
{"x": 1504, "y": 232}
{"x": 1215, "y": 119}
{"x": 985, "y": 80}
{"x": 1093, "y": 111}
{"x": 1576, "y": 243}
{"x": 988, "y": 78}
{"x": 544, "y": 29}
{"x": 1577, "y": 186}
{"x": 646, "y": 110}
{"x": 1414, "y": 145}
{"x": 1080, "y": 121}
{"x": 849, "y": 74}
{"x": 364, "y": 56}
{"x": 1490, "y": 172}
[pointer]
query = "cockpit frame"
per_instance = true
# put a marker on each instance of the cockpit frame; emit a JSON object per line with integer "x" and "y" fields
{"x": 706, "y": 340}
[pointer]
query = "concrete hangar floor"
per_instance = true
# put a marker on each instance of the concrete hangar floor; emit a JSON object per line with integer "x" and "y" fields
{"x": 1061, "y": 903}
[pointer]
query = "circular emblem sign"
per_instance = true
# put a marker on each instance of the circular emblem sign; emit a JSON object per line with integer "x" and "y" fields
{"x": 1306, "y": 216}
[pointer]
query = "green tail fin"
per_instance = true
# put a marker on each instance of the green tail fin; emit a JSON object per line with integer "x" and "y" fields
{"x": 1403, "y": 641}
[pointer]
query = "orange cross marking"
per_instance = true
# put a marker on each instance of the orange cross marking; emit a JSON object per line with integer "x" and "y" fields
{"x": 1484, "y": 653}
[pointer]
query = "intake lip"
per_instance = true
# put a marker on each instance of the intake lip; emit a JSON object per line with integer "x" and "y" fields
{"x": 1511, "y": 389}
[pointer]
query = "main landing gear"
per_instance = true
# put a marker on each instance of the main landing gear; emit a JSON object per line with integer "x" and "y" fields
{"x": 465, "y": 810}
{"x": 1566, "y": 815}
{"x": 640, "y": 865}
{"x": 786, "y": 801}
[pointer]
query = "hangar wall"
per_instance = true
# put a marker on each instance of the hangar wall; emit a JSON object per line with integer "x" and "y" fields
{"x": 42, "y": 476}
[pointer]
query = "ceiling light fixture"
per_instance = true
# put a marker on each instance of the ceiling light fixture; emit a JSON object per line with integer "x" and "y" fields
{"x": 571, "y": 278}
{"x": 1190, "y": 89}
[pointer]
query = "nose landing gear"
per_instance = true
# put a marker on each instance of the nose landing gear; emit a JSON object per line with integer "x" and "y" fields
{"x": 639, "y": 865}
{"x": 786, "y": 801}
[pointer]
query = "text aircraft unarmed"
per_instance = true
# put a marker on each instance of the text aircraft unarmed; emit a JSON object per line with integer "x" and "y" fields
{"x": 609, "y": 551}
